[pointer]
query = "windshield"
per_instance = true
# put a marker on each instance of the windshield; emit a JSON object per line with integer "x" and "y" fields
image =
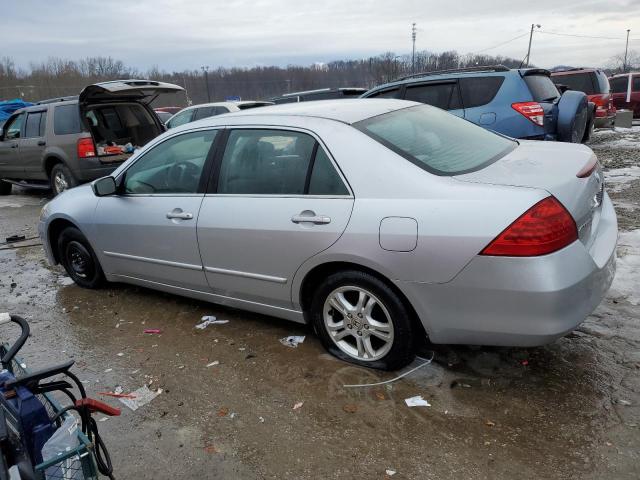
{"x": 437, "y": 141}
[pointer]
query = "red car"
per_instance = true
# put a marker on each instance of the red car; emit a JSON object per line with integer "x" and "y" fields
{"x": 625, "y": 90}
{"x": 595, "y": 84}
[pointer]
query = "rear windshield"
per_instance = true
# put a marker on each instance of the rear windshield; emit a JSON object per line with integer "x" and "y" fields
{"x": 542, "y": 88}
{"x": 437, "y": 141}
{"x": 581, "y": 82}
{"x": 619, "y": 84}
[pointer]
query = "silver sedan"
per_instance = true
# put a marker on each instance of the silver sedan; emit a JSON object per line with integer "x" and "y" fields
{"x": 378, "y": 221}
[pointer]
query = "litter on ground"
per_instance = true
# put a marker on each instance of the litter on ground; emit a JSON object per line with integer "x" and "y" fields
{"x": 427, "y": 361}
{"x": 213, "y": 364}
{"x": 142, "y": 396}
{"x": 298, "y": 405}
{"x": 292, "y": 340}
{"x": 390, "y": 472}
{"x": 153, "y": 330}
{"x": 210, "y": 320}
{"x": 416, "y": 401}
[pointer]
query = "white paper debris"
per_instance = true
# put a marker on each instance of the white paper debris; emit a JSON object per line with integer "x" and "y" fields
{"x": 4, "y": 318}
{"x": 416, "y": 401}
{"x": 390, "y": 472}
{"x": 210, "y": 320}
{"x": 261, "y": 419}
{"x": 292, "y": 340}
{"x": 624, "y": 402}
{"x": 298, "y": 405}
{"x": 118, "y": 390}
{"x": 142, "y": 396}
{"x": 213, "y": 364}
{"x": 108, "y": 370}
{"x": 121, "y": 354}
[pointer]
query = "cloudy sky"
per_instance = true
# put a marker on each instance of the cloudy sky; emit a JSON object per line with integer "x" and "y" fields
{"x": 184, "y": 34}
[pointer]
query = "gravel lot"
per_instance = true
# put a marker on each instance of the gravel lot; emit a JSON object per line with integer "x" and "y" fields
{"x": 570, "y": 410}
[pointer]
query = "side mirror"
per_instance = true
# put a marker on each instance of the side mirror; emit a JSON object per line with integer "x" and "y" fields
{"x": 104, "y": 186}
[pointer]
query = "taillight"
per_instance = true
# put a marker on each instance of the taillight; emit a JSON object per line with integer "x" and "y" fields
{"x": 603, "y": 104}
{"x": 544, "y": 228}
{"x": 86, "y": 148}
{"x": 532, "y": 110}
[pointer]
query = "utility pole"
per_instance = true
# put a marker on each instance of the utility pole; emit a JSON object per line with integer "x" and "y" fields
{"x": 205, "y": 69}
{"x": 626, "y": 49}
{"x": 413, "y": 52}
{"x": 533, "y": 25}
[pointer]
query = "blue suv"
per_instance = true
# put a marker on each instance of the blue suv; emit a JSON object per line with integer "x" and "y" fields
{"x": 521, "y": 103}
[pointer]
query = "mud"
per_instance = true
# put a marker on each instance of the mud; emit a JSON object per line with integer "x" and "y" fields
{"x": 568, "y": 410}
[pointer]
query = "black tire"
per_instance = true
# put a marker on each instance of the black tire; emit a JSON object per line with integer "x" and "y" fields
{"x": 5, "y": 188}
{"x": 401, "y": 351}
{"x": 79, "y": 260}
{"x": 61, "y": 179}
{"x": 588, "y": 133}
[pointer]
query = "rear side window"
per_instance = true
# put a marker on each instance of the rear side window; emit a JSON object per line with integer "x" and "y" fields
{"x": 205, "y": 112}
{"x": 581, "y": 82}
{"x": 321, "y": 96}
{"x": 32, "y": 128}
{"x": 66, "y": 119}
{"x": 636, "y": 84}
{"x": 324, "y": 178}
{"x": 265, "y": 162}
{"x": 43, "y": 123}
{"x": 431, "y": 139}
{"x": 541, "y": 87}
{"x": 478, "y": 91}
{"x": 391, "y": 93}
{"x": 619, "y": 84}
{"x": 441, "y": 95}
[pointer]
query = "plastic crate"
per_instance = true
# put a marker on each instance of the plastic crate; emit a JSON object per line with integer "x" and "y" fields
{"x": 76, "y": 464}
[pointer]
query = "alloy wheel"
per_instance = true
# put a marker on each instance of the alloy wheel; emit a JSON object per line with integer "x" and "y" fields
{"x": 60, "y": 182}
{"x": 358, "y": 323}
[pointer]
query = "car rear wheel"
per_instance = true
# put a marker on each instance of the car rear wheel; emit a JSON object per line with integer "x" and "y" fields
{"x": 78, "y": 258}
{"x": 62, "y": 179}
{"x": 5, "y": 188}
{"x": 360, "y": 319}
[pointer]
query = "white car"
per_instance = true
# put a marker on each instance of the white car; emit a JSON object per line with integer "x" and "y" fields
{"x": 204, "y": 110}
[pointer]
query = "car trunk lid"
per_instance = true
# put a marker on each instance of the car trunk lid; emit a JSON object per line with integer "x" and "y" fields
{"x": 129, "y": 90}
{"x": 554, "y": 167}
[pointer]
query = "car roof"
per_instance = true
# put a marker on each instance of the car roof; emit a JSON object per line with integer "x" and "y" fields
{"x": 572, "y": 71}
{"x": 347, "y": 111}
{"x": 226, "y": 104}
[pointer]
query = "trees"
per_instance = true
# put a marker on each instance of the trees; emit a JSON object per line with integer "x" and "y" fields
{"x": 61, "y": 77}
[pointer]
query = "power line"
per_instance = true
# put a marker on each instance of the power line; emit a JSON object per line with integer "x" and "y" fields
{"x": 500, "y": 44}
{"x": 580, "y": 36}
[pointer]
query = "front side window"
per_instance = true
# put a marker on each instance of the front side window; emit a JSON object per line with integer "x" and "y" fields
{"x": 13, "y": 128}
{"x": 174, "y": 166}
{"x": 265, "y": 162}
{"x": 32, "y": 128}
{"x": 441, "y": 95}
{"x": 180, "y": 119}
{"x": 435, "y": 140}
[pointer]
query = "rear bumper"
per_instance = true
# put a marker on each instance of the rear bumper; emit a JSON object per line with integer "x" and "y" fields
{"x": 509, "y": 301}
{"x": 94, "y": 168}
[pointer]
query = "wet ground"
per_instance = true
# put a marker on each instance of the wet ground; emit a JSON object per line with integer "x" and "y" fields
{"x": 570, "y": 410}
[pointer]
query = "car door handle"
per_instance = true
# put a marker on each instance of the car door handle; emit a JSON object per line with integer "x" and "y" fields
{"x": 42, "y": 143}
{"x": 317, "y": 219}
{"x": 180, "y": 215}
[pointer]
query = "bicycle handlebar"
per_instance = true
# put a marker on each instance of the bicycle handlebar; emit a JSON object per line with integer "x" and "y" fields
{"x": 18, "y": 344}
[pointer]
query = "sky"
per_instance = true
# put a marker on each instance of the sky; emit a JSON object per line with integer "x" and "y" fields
{"x": 186, "y": 34}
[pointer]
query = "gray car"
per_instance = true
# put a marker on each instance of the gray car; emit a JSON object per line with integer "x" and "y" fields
{"x": 60, "y": 143}
{"x": 378, "y": 221}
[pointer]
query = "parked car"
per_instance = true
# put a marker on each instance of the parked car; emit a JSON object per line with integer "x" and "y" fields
{"x": 291, "y": 211}
{"x": 625, "y": 89}
{"x": 320, "y": 94}
{"x": 171, "y": 110}
{"x": 521, "y": 103}
{"x": 204, "y": 110}
{"x": 595, "y": 85}
{"x": 63, "y": 142}
{"x": 163, "y": 116}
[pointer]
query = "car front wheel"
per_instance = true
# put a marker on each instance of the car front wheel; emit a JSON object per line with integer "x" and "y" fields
{"x": 78, "y": 259}
{"x": 62, "y": 179}
{"x": 360, "y": 319}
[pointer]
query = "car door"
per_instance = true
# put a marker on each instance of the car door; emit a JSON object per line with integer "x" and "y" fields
{"x": 443, "y": 94}
{"x": 477, "y": 99}
{"x": 10, "y": 164}
{"x": 276, "y": 200}
{"x": 32, "y": 144}
{"x": 148, "y": 230}
{"x": 634, "y": 104}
